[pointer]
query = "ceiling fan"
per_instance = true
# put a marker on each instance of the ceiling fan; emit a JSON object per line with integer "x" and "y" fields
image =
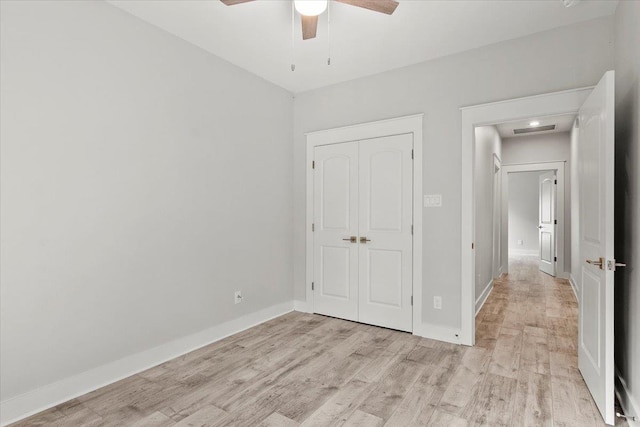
{"x": 309, "y": 10}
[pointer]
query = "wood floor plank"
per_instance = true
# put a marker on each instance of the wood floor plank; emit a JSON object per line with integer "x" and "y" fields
{"x": 363, "y": 419}
{"x": 278, "y": 420}
{"x": 340, "y": 406}
{"x": 156, "y": 419}
{"x": 418, "y": 405}
{"x": 391, "y": 389}
{"x": 532, "y": 405}
{"x": 209, "y": 416}
{"x": 494, "y": 402}
{"x": 441, "y": 418}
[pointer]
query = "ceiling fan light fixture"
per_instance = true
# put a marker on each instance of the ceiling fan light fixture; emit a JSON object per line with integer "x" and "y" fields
{"x": 310, "y": 7}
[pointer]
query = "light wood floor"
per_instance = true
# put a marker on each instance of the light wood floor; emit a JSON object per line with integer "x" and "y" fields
{"x": 310, "y": 370}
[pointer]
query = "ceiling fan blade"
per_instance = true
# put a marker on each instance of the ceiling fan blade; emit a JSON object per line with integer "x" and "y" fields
{"x": 234, "y": 2}
{"x": 309, "y": 27}
{"x": 382, "y": 6}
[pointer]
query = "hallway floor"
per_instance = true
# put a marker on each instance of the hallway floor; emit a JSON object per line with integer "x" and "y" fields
{"x": 529, "y": 323}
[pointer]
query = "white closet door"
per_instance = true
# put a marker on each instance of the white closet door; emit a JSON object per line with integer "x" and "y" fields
{"x": 547, "y": 223}
{"x": 336, "y": 227}
{"x": 385, "y": 241}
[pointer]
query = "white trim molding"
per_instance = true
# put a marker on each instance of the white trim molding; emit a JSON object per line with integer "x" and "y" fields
{"x": 302, "y": 306}
{"x": 556, "y": 103}
{"x": 483, "y": 296}
{"x": 50, "y": 395}
{"x": 574, "y": 286}
{"x": 438, "y": 333}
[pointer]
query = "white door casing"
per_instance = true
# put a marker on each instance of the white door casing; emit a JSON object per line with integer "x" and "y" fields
{"x": 412, "y": 125}
{"x": 596, "y": 225}
{"x": 556, "y": 103}
{"x": 547, "y": 223}
{"x": 336, "y": 227}
{"x": 385, "y": 240}
{"x": 497, "y": 217}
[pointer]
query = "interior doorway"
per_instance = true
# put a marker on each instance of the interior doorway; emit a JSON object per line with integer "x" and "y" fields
{"x": 593, "y": 261}
{"x": 536, "y": 216}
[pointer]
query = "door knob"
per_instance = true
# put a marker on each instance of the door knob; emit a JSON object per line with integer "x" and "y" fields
{"x": 364, "y": 240}
{"x": 352, "y": 239}
{"x": 599, "y": 263}
{"x": 539, "y": 226}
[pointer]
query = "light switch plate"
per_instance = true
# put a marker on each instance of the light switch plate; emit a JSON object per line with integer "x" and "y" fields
{"x": 433, "y": 200}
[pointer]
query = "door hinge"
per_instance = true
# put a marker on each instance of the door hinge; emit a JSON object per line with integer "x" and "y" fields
{"x": 473, "y": 246}
{"x": 555, "y": 259}
{"x": 555, "y": 221}
{"x": 411, "y": 299}
{"x": 555, "y": 181}
{"x": 313, "y": 227}
{"x": 313, "y": 164}
{"x": 412, "y": 154}
{"x": 313, "y": 285}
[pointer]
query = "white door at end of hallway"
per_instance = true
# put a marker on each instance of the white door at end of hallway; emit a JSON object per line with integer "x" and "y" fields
{"x": 547, "y": 223}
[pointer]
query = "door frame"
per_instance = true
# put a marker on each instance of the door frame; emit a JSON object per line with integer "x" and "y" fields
{"x": 559, "y": 168}
{"x": 549, "y": 104}
{"x": 412, "y": 124}
{"x": 498, "y": 197}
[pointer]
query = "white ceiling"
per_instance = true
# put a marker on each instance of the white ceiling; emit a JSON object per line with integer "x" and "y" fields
{"x": 563, "y": 124}
{"x": 257, "y": 36}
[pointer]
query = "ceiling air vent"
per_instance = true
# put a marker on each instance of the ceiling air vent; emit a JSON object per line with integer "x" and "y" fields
{"x": 535, "y": 129}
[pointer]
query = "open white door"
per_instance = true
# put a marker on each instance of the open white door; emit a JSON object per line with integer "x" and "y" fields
{"x": 386, "y": 217}
{"x": 596, "y": 177}
{"x": 547, "y": 223}
{"x": 335, "y": 246}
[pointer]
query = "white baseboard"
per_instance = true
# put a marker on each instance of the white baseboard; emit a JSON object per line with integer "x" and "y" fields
{"x": 574, "y": 286}
{"x": 627, "y": 401}
{"x": 483, "y": 296}
{"x": 34, "y": 401}
{"x": 439, "y": 333}
{"x": 302, "y": 306}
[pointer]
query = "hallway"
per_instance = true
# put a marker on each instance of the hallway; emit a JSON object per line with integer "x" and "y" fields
{"x": 530, "y": 324}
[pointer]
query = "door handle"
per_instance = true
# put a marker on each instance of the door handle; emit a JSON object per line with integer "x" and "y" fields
{"x": 539, "y": 226}
{"x": 612, "y": 264}
{"x": 352, "y": 239}
{"x": 364, "y": 240}
{"x": 599, "y": 263}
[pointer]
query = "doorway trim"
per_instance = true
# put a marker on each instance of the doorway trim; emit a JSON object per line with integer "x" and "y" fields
{"x": 559, "y": 168}
{"x": 389, "y": 127}
{"x": 550, "y": 104}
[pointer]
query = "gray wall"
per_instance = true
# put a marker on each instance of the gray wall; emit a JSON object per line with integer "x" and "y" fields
{"x": 627, "y": 235}
{"x": 143, "y": 181}
{"x": 569, "y": 57}
{"x": 488, "y": 144}
{"x": 553, "y": 147}
{"x": 524, "y": 202}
